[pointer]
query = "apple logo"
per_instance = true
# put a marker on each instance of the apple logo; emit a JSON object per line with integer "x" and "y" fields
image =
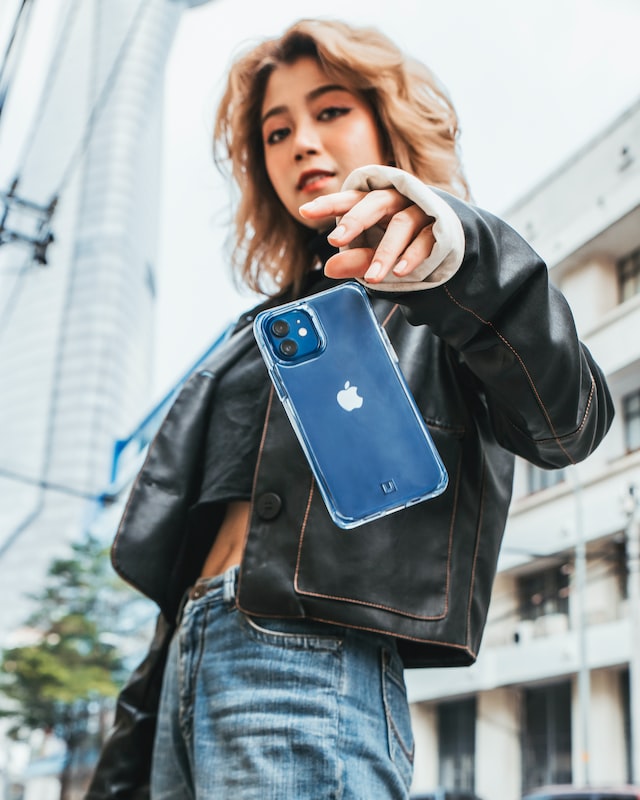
{"x": 348, "y": 398}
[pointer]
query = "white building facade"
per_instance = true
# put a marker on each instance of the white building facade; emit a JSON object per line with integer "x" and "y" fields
{"x": 76, "y": 317}
{"x": 76, "y": 332}
{"x": 553, "y": 697}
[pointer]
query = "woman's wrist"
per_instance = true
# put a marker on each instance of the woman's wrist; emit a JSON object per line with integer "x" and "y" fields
{"x": 449, "y": 247}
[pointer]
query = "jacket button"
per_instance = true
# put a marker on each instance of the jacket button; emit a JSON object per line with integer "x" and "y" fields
{"x": 268, "y": 505}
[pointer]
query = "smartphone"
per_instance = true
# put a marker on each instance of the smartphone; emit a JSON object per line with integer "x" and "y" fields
{"x": 338, "y": 377}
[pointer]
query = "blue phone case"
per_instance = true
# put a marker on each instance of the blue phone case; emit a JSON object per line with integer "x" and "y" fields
{"x": 338, "y": 377}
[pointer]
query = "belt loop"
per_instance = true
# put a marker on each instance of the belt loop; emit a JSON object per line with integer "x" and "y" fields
{"x": 229, "y": 585}
{"x": 180, "y": 610}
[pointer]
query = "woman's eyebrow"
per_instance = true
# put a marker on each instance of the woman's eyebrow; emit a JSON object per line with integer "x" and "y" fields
{"x": 331, "y": 87}
{"x": 312, "y": 95}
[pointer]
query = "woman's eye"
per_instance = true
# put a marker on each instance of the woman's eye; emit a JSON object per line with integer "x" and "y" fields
{"x": 332, "y": 112}
{"x": 277, "y": 136}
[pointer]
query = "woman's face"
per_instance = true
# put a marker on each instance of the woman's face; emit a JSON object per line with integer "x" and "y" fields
{"x": 315, "y": 133}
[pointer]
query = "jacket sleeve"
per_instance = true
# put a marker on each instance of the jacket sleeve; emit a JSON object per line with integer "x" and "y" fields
{"x": 123, "y": 770}
{"x": 547, "y": 398}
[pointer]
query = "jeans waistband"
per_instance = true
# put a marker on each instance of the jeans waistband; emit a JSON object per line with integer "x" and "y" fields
{"x": 226, "y": 582}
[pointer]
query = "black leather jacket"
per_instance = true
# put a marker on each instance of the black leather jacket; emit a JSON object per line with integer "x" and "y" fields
{"x": 494, "y": 363}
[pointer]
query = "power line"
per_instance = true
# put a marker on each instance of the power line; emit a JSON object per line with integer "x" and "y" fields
{"x": 52, "y": 75}
{"x": 44, "y": 236}
{"x": 61, "y": 488}
{"x": 12, "y": 297}
{"x": 103, "y": 97}
{"x": 19, "y": 27}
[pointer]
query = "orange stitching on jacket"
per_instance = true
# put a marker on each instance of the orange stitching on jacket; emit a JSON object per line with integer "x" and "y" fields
{"x": 589, "y": 401}
{"x": 582, "y": 424}
{"x": 368, "y": 603}
{"x": 303, "y": 528}
{"x": 341, "y": 599}
{"x": 438, "y": 642}
{"x": 454, "y": 513}
{"x": 508, "y": 344}
{"x": 476, "y": 549}
{"x": 389, "y": 315}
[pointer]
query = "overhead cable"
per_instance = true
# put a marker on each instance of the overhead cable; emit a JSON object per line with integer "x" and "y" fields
{"x": 103, "y": 96}
{"x": 59, "y": 51}
{"x": 11, "y": 200}
{"x": 12, "y": 55}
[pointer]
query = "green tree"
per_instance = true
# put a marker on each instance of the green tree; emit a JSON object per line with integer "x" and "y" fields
{"x": 74, "y": 661}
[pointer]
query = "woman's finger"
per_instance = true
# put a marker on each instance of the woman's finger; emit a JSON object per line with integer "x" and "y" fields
{"x": 357, "y": 211}
{"x": 407, "y": 238}
{"x": 349, "y": 263}
{"x": 419, "y": 250}
{"x": 331, "y": 205}
{"x": 375, "y": 208}
{"x": 395, "y": 250}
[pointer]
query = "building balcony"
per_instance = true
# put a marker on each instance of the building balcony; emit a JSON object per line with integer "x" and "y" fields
{"x": 548, "y": 650}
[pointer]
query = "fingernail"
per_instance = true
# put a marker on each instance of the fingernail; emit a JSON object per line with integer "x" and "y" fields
{"x": 401, "y": 267}
{"x": 337, "y": 233}
{"x": 374, "y": 271}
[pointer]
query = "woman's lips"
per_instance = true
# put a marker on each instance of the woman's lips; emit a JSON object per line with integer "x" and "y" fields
{"x": 313, "y": 180}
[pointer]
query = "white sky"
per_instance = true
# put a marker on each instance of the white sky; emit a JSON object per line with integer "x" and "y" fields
{"x": 532, "y": 83}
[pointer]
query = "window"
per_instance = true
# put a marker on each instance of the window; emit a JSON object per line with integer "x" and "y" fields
{"x": 457, "y": 744}
{"x": 544, "y": 592}
{"x": 631, "y": 416}
{"x": 539, "y": 479}
{"x": 629, "y": 275}
{"x": 546, "y": 736}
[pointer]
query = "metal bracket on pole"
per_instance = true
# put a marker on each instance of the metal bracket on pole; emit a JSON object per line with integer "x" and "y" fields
{"x": 24, "y": 222}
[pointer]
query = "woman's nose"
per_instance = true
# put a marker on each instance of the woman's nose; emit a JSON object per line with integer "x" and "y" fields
{"x": 307, "y": 142}
{"x": 302, "y": 153}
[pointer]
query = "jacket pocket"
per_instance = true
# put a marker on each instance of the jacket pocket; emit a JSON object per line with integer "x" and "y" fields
{"x": 400, "y": 563}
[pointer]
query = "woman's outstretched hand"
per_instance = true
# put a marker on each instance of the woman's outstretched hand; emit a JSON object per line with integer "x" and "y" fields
{"x": 406, "y": 242}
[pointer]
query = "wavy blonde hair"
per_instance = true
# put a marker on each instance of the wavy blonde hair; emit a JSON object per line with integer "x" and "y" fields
{"x": 418, "y": 124}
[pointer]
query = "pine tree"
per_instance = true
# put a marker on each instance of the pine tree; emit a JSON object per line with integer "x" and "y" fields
{"x": 74, "y": 663}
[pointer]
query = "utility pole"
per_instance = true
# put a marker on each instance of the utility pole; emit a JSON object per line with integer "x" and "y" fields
{"x": 632, "y": 509}
{"x": 580, "y": 599}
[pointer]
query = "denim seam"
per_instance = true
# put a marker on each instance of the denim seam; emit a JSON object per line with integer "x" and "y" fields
{"x": 185, "y": 707}
{"x": 387, "y": 710}
{"x": 329, "y": 644}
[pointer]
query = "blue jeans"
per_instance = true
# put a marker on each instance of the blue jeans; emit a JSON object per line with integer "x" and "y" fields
{"x": 278, "y": 710}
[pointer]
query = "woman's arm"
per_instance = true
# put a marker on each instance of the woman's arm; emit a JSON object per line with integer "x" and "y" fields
{"x": 548, "y": 399}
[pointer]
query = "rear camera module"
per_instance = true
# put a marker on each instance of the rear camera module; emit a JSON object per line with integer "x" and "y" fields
{"x": 288, "y": 347}
{"x": 280, "y": 328}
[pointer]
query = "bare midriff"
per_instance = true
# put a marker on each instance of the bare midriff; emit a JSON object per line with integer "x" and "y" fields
{"x": 226, "y": 551}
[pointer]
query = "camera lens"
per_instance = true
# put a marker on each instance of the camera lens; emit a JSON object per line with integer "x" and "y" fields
{"x": 280, "y": 328}
{"x": 288, "y": 348}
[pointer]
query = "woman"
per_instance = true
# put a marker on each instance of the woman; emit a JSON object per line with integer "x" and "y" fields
{"x": 284, "y": 676}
